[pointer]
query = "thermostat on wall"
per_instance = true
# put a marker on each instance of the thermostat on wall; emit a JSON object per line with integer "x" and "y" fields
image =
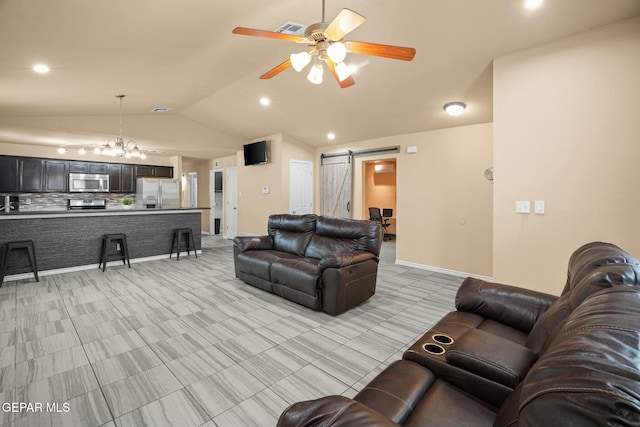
{"x": 265, "y": 190}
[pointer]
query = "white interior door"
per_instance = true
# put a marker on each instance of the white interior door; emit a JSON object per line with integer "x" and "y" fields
{"x": 231, "y": 217}
{"x": 300, "y": 187}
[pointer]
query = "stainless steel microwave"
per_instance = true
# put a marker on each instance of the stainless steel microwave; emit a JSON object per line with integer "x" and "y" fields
{"x": 88, "y": 183}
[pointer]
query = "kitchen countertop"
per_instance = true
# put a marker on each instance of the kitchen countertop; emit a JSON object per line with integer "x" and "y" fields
{"x": 97, "y": 212}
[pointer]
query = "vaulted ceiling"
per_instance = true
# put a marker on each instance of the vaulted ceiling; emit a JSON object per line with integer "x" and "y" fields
{"x": 182, "y": 54}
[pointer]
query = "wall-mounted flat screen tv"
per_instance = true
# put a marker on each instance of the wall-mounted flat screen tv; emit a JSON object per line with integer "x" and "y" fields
{"x": 255, "y": 153}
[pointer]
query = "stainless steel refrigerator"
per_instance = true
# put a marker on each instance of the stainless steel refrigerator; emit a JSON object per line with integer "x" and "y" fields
{"x": 157, "y": 193}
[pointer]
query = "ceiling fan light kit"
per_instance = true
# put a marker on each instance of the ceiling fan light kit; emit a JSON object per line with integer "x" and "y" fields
{"x": 454, "y": 108}
{"x": 300, "y": 60}
{"x": 325, "y": 42}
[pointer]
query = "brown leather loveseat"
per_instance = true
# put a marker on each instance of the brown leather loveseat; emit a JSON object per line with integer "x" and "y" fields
{"x": 513, "y": 357}
{"x": 323, "y": 263}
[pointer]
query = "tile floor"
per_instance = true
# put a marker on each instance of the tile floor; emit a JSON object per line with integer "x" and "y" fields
{"x": 169, "y": 343}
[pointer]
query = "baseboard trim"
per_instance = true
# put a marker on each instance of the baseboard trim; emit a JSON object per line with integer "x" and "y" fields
{"x": 442, "y": 270}
{"x": 21, "y": 276}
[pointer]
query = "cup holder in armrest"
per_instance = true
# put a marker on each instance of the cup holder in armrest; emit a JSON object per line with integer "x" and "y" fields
{"x": 432, "y": 348}
{"x": 442, "y": 339}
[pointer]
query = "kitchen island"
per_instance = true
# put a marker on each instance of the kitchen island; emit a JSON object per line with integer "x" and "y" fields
{"x": 71, "y": 240}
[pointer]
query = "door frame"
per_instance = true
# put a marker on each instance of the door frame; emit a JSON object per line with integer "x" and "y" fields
{"x": 233, "y": 213}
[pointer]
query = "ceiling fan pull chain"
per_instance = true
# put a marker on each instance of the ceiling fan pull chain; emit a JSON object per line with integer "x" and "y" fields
{"x": 322, "y": 10}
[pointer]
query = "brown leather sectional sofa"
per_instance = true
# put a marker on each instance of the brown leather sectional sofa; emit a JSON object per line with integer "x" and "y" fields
{"x": 513, "y": 357}
{"x": 323, "y": 263}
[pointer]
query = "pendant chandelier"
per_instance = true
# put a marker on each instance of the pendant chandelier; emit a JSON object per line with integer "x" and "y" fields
{"x": 117, "y": 147}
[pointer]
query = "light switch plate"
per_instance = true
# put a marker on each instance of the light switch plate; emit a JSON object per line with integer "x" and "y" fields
{"x": 523, "y": 206}
{"x": 539, "y": 207}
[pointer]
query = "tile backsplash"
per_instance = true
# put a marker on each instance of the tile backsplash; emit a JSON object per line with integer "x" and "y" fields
{"x": 58, "y": 201}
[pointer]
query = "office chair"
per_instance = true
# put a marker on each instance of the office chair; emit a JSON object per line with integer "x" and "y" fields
{"x": 375, "y": 215}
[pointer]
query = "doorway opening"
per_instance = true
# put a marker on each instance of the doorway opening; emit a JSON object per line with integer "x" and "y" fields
{"x": 379, "y": 191}
{"x": 216, "y": 198}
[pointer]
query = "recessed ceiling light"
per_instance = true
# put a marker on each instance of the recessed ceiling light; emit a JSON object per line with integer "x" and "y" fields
{"x": 161, "y": 110}
{"x": 62, "y": 150}
{"x": 265, "y": 101}
{"x": 533, "y": 4}
{"x": 41, "y": 68}
{"x": 454, "y": 108}
{"x": 331, "y": 136}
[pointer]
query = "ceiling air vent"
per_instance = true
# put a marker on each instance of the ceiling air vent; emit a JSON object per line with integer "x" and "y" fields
{"x": 292, "y": 28}
{"x": 161, "y": 110}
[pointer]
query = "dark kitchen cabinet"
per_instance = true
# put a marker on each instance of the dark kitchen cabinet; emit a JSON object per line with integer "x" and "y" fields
{"x": 128, "y": 179}
{"x": 164, "y": 172}
{"x": 115, "y": 178}
{"x": 122, "y": 179}
{"x": 55, "y": 176}
{"x": 9, "y": 176}
{"x": 88, "y": 167}
{"x": 145, "y": 170}
{"x": 30, "y": 170}
{"x": 155, "y": 171}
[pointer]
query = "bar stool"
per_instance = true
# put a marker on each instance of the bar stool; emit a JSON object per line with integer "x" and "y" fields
{"x": 189, "y": 242}
{"x": 122, "y": 253}
{"x": 14, "y": 246}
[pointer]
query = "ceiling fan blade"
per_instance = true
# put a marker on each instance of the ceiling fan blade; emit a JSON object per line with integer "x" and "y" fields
{"x": 268, "y": 34}
{"x": 276, "y": 70}
{"x": 346, "y": 82}
{"x": 346, "y": 21}
{"x": 386, "y": 51}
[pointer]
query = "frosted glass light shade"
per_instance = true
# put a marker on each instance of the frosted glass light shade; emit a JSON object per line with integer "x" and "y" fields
{"x": 337, "y": 52}
{"x": 315, "y": 75}
{"x": 300, "y": 60}
{"x": 454, "y": 108}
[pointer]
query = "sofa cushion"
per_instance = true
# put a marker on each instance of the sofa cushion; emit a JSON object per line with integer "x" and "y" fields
{"x": 607, "y": 275}
{"x": 590, "y": 256}
{"x": 445, "y": 405}
{"x": 297, "y": 273}
{"x": 291, "y": 233}
{"x": 258, "y": 263}
{"x": 343, "y": 236}
{"x": 396, "y": 390}
{"x": 589, "y": 376}
{"x": 490, "y": 356}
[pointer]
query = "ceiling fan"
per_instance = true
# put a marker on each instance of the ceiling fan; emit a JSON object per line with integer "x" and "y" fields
{"x": 325, "y": 43}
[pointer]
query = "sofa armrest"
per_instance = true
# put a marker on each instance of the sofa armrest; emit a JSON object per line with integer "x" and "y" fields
{"x": 343, "y": 260}
{"x": 491, "y": 357}
{"x": 252, "y": 243}
{"x": 517, "y": 307}
{"x": 332, "y": 411}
